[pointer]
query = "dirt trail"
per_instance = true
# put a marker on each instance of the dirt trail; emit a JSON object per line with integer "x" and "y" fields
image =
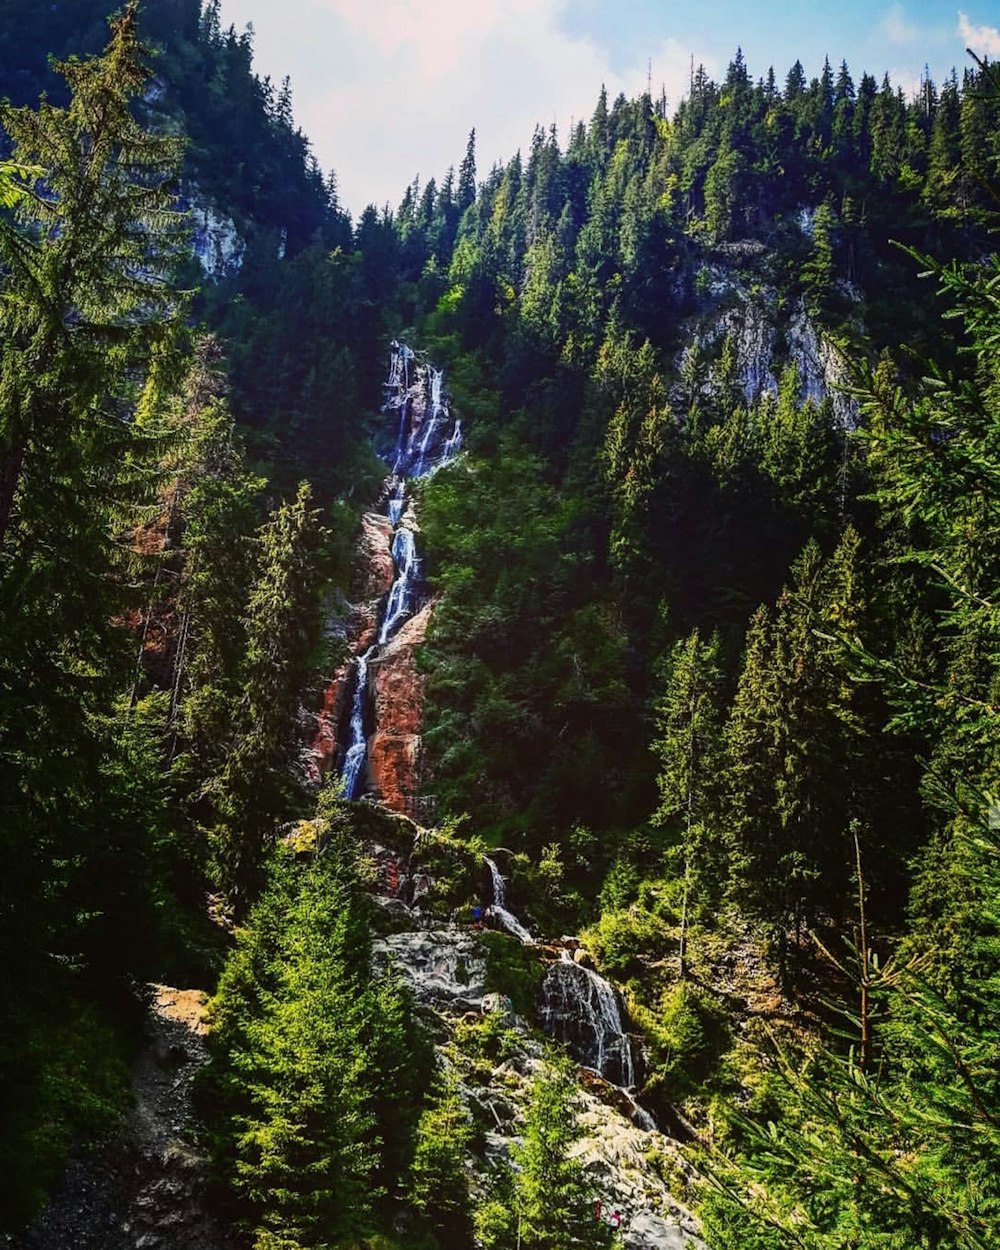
{"x": 144, "y": 1188}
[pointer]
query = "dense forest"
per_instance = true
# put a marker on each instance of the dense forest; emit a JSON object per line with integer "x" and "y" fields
{"x": 711, "y": 660}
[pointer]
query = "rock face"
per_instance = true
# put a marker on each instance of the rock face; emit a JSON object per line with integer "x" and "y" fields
{"x": 374, "y": 573}
{"x": 396, "y": 690}
{"x": 217, "y": 243}
{"x": 443, "y": 968}
{"x": 145, "y": 1188}
{"x": 372, "y": 580}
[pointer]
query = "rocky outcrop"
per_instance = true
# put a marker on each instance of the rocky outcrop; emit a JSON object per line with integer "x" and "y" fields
{"x": 631, "y": 1169}
{"x": 441, "y": 967}
{"x": 396, "y": 690}
{"x": 146, "y": 1187}
{"x": 373, "y": 569}
{"x": 217, "y": 244}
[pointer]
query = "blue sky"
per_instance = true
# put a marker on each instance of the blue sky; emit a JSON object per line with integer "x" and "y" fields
{"x": 389, "y": 89}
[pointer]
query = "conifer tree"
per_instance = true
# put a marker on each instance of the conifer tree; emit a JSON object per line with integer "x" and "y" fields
{"x": 87, "y": 304}
{"x": 466, "y": 193}
{"x": 689, "y": 750}
{"x": 253, "y": 789}
{"x": 298, "y": 1075}
{"x": 438, "y": 1185}
{"x": 551, "y": 1206}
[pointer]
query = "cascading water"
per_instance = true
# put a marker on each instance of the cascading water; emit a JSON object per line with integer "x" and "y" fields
{"x": 507, "y": 918}
{"x": 426, "y": 438}
{"x": 403, "y": 595}
{"x": 580, "y": 1008}
{"x": 357, "y": 746}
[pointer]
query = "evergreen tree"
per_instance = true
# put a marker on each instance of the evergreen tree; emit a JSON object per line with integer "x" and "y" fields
{"x": 551, "y": 1205}
{"x": 466, "y": 193}
{"x": 689, "y": 750}
{"x": 299, "y": 1077}
{"x": 252, "y": 791}
{"x": 438, "y": 1185}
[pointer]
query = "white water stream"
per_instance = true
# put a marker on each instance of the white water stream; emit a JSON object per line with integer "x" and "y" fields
{"x": 426, "y": 438}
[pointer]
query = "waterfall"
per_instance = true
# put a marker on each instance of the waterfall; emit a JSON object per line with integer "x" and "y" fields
{"x": 396, "y": 502}
{"x": 426, "y": 434}
{"x": 426, "y": 438}
{"x": 357, "y": 748}
{"x": 582, "y": 1009}
{"x": 454, "y": 444}
{"x": 509, "y": 921}
{"x": 403, "y": 594}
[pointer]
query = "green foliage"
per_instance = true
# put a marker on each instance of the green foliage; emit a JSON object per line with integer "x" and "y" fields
{"x": 688, "y": 1031}
{"x": 513, "y": 970}
{"x": 319, "y": 1066}
{"x": 438, "y": 1186}
{"x": 253, "y": 789}
{"x": 622, "y": 941}
{"x": 545, "y": 1203}
{"x": 90, "y": 327}
{"x": 70, "y": 1082}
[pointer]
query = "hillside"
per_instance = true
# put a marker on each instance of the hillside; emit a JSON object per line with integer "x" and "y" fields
{"x": 529, "y": 659}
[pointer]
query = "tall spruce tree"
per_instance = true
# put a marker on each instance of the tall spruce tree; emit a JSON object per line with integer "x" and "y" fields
{"x": 689, "y": 746}
{"x": 255, "y": 785}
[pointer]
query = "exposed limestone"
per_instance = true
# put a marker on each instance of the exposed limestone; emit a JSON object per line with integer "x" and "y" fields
{"x": 631, "y": 1168}
{"x": 217, "y": 243}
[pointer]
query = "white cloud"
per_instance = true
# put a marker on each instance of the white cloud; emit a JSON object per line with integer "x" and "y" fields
{"x": 983, "y": 40}
{"x": 387, "y": 89}
{"x": 895, "y": 27}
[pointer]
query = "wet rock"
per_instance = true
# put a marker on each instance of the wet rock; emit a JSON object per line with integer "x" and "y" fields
{"x": 498, "y": 1005}
{"x": 442, "y": 968}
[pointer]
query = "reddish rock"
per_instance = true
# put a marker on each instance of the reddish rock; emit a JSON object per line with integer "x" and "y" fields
{"x": 325, "y": 745}
{"x": 397, "y": 690}
{"x": 373, "y": 577}
{"x": 374, "y": 572}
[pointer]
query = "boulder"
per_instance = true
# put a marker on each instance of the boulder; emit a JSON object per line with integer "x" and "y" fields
{"x": 498, "y": 1005}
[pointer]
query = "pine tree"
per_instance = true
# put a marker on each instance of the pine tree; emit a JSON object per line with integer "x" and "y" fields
{"x": 254, "y": 787}
{"x": 551, "y": 1205}
{"x": 793, "y": 741}
{"x": 90, "y": 331}
{"x": 87, "y": 303}
{"x": 689, "y": 750}
{"x": 297, "y": 1075}
{"x": 466, "y": 194}
{"x": 438, "y": 1185}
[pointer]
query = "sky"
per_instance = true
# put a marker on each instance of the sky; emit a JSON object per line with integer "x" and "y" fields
{"x": 388, "y": 90}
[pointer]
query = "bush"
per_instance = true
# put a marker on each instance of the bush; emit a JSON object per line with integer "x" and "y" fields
{"x": 687, "y": 1035}
{"x": 622, "y": 940}
{"x": 514, "y": 970}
